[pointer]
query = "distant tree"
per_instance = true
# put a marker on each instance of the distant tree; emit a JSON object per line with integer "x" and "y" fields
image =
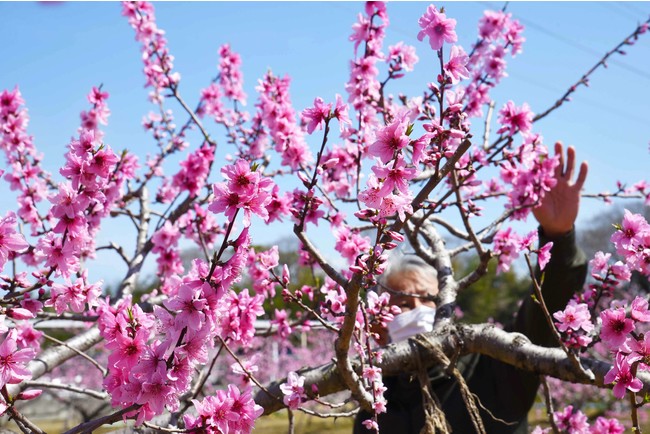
{"x": 494, "y": 297}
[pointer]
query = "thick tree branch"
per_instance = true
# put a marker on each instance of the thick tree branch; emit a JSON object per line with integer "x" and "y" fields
{"x": 55, "y": 356}
{"x": 78, "y": 352}
{"x": 512, "y": 348}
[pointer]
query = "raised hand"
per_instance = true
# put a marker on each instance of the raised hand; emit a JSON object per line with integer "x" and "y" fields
{"x": 559, "y": 208}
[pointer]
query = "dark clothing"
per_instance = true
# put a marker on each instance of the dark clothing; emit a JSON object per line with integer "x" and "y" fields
{"x": 506, "y": 391}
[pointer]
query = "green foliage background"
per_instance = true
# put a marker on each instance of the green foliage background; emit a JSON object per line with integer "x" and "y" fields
{"x": 495, "y": 297}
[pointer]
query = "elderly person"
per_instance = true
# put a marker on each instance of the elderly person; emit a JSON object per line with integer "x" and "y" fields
{"x": 505, "y": 393}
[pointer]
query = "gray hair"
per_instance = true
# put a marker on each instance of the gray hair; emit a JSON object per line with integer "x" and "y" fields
{"x": 408, "y": 263}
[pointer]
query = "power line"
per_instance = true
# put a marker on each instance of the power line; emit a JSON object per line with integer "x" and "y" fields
{"x": 583, "y": 48}
{"x": 634, "y": 8}
{"x": 581, "y": 99}
{"x": 620, "y": 11}
{"x": 575, "y": 44}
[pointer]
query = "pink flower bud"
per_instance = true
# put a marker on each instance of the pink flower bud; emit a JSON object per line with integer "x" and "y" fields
{"x": 395, "y": 236}
{"x": 365, "y": 213}
{"x": 303, "y": 178}
{"x": 331, "y": 163}
{"x": 19, "y": 313}
{"x": 29, "y": 394}
{"x": 286, "y": 276}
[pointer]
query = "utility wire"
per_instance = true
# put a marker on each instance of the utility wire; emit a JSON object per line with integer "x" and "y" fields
{"x": 576, "y": 99}
{"x": 577, "y": 45}
{"x": 581, "y": 99}
{"x": 622, "y": 12}
{"x": 629, "y": 6}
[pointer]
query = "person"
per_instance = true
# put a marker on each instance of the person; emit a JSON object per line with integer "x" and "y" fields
{"x": 504, "y": 392}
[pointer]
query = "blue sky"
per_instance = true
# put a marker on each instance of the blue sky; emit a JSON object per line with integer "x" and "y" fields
{"x": 57, "y": 52}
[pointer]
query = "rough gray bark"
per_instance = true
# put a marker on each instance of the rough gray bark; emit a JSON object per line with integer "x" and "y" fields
{"x": 55, "y": 356}
{"x": 511, "y": 348}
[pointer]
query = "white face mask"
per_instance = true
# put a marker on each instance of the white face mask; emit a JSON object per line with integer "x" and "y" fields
{"x": 411, "y": 323}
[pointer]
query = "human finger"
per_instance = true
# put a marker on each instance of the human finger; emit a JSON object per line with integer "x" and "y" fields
{"x": 570, "y": 162}
{"x": 582, "y": 175}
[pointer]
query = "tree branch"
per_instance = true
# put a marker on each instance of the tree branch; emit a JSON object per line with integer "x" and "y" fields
{"x": 45, "y": 384}
{"x": 55, "y": 356}
{"x": 511, "y": 348}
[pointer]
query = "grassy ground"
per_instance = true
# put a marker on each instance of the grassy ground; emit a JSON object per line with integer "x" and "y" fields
{"x": 55, "y": 427}
{"x": 276, "y": 423}
{"x": 304, "y": 424}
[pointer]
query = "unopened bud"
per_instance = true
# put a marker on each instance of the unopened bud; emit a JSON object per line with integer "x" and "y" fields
{"x": 29, "y": 394}
{"x": 303, "y": 178}
{"x": 395, "y": 236}
{"x": 286, "y": 275}
{"x": 331, "y": 163}
{"x": 19, "y": 313}
{"x": 365, "y": 213}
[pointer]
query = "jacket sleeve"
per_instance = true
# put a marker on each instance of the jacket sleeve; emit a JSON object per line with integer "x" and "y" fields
{"x": 564, "y": 275}
{"x": 510, "y": 392}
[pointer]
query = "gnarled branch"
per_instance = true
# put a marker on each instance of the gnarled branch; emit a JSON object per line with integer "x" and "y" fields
{"x": 511, "y": 348}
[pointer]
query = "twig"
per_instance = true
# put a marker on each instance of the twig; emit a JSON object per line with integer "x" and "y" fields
{"x": 433, "y": 182}
{"x": 549, "y": 404}
{"x": 118, "y": 249}
{"x": 291, "y": 421}
{"x": 163, "y": 429}
{"x": 192, "y": 115}
{"x": 248, "y": 373}
{"x": 65, "y": 316}
{"x": 542, "y": 304}
{"x": 464, "y": 217}
{"x": 304, "y": 307}
{"x": 584, "y": 79}
{"x": 606, "y": 195}
{"x": 488, "y": 121}
{"x": 92, "y": 425}
{"x": 327, "y": 268}
{"x": 201, "y": 240}
{"x": 328, "y": 415}
{"x": 636, "y": 427}
{"x": 94, "y": 393}
{"x": 449, "y": 227}
{"x": 314, "y": 179}
{"x": 217, "y": 253}
{"x": 79, "y": 352}
{"x": 200, "y": 382}
{"x": 478, "y": 272}
{"x": 25, "y": 425}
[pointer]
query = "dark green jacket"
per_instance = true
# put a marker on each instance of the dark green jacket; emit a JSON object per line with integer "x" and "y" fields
{"x": 506, "y": 391}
